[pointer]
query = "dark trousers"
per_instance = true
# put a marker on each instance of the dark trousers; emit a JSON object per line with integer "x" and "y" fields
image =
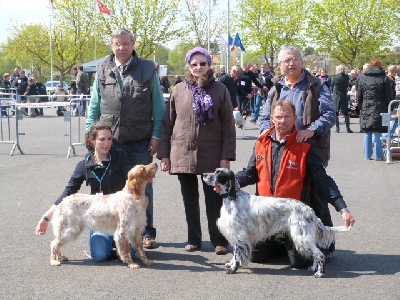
{"x": 190, "y": 194}
{"x": 244, "y": 106}
{"x": 265, "y": 250}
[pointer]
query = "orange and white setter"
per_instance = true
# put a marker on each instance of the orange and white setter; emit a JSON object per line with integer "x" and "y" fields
{"x": 122, "y": 214}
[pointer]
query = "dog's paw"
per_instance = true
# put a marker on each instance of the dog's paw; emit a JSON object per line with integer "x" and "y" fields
{"x": 55, "y": 262}
{"x": 133, "y": 265}
{"x": 148, "y": 262}
{"x": 63, "y": 258}
{"x": 231, "y": 271}
{"x": 227, "y": 265}
{"x": 319, "y": 275}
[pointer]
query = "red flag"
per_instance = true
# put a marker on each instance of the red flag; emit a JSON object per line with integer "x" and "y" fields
{"x": 104, "y": 10}
{"x": 52, "y": 4}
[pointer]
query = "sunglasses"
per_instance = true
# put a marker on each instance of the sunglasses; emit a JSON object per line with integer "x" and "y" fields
{"x": 201, "y": 64}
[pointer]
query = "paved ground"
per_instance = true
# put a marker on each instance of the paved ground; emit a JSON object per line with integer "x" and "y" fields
{"x": 366, "y": 264}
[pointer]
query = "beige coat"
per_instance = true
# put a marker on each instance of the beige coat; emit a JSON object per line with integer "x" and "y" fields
{"x": 191, "y": 147}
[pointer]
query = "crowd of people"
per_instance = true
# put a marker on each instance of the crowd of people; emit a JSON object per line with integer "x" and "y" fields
{"x": 128, "y": 123}
{"x": 30, "y": 90}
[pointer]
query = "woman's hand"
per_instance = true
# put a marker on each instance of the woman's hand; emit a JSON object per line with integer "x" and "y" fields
{"x": 41, "y": 227}
{"x": 224, "y": 163}
{"x": 165, "y": 164}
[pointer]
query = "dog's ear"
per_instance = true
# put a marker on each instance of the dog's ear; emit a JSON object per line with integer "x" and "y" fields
{"x": 231, "y": 186}
{"x": 134, "y": 184}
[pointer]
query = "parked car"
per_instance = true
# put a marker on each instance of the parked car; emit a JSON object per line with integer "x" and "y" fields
{"x": 50, "y": 86}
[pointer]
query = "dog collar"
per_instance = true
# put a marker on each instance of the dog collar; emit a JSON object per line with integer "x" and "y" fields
{"x": 225, "y": 195}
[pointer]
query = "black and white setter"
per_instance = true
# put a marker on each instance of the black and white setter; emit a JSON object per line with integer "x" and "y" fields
{"x": 247, "y": 219}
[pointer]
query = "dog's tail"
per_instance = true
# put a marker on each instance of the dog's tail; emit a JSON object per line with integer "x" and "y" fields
{"x": 326, "y": 235}
{"x": 340, "y": 228}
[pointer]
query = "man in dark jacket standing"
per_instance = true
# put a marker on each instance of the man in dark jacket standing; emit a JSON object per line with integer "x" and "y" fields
{"x": 340, "y": 83}
{"x": 244, "y": 85}
{"x": 229, "y": 81}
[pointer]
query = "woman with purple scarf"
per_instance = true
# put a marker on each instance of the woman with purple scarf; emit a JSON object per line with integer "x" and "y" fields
{"x": 198, "y": 135}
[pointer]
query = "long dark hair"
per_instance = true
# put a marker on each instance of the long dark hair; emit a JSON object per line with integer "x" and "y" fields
{"x": 92, "y": 133}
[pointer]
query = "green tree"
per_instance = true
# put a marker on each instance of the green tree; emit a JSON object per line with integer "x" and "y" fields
{"x": 309, "y": 51}
{"x": 267, "y": 25}
{"x": 161, "y": 55}
{"x": 6, "y": 63}
{"x": 176, "y": 58}
{"x": 27, "y": 45}
{"x": 347, "y": 29}
{"x": 153, "y": 22}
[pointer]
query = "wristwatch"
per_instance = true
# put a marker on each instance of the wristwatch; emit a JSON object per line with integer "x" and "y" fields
{"x": 313, "y": 128}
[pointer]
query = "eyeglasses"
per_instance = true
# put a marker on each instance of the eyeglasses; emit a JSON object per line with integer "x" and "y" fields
{"x": 118, "y": 45}
{"x": 282, "y": 117}
{"x": 293, "y": 60}
{"x": 201, "y": 64}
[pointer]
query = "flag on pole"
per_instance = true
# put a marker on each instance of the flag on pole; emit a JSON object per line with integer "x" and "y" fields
{"x": 230, "y": 43}
{"x": 52, "y": 4}
{"x": 103, "y": 9}
{"x": 238, "y": 42}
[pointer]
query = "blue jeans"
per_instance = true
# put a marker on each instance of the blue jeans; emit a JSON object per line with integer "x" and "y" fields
{"x": 377, "y": 144}
{"x": 101, "y": 245}
{"x": 138, "y": 153}
{"x": 82, "y": 103}
{"x": 259, "y": 100}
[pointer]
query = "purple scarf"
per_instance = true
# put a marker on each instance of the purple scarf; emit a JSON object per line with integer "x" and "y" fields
{"x": 202, "y": 103}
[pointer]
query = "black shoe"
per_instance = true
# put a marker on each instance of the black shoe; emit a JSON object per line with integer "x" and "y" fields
{"x": 349, "y": 130}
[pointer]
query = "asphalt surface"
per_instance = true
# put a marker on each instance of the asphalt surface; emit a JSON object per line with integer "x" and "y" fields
{"x": 366, "y": 264}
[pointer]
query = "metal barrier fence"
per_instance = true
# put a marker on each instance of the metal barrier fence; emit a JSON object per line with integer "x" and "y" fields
{"x": 6, "y": 102}
{"x": 65, "y": 104}
{"x": 67, "y": 116}
{"x": 391, "y": 120}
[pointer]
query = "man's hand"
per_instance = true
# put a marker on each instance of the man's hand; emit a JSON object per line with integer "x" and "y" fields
{"x": 304, "y": 135}
{"x": 348, "y": 219}
{"x": 153, "y": 147}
